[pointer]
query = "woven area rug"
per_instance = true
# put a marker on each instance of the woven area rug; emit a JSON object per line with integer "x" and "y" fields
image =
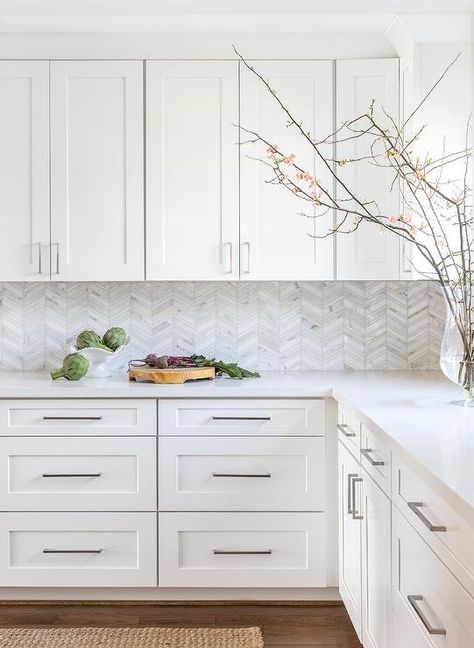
{"x": 131, "y": 638}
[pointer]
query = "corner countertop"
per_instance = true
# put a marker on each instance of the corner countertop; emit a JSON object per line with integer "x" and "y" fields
{"x": 414, "y": 409}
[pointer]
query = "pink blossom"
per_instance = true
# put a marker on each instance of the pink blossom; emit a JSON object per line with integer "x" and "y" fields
{"x": 288, "y": 159}
{"x": 393, "y": 219}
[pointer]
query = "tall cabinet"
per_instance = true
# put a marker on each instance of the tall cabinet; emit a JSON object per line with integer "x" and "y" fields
{"x": 370, "y": 252}
{"x": 277, "y": 241}
{"x": 192, "y": 179}
{"x": 24, "y": 170}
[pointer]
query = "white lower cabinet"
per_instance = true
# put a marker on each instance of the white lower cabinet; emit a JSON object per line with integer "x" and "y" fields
{"x": 242, "y": 550}
{"x": 78, "y": 549}
{"x": 426, "y": 594}
{"x": 242, "y": 473}
{"x": 350, "y": 549}
{"x": 376, "y": 572}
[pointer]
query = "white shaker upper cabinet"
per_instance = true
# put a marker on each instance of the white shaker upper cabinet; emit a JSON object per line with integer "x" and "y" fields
{"x": 192, "y": 176}
{"x": 97, "y": 220}
{"x": 277, "y": 242}
{"x": 369, "y": 252}
{"x": 24, "y": 170}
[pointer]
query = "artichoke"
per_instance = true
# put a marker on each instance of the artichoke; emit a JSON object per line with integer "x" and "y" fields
{"x": 114, "y": 338}
{"x": 88, "y": 339}
{"x": 75, "y": 367}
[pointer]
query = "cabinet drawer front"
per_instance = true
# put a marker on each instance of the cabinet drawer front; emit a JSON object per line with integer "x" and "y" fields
{"x": 78, "y": 549}
{"x": 242, "y": 550}
{"x": 77, "y": 417}
{"x": 242, "y": 417}
{"x": 408, "y": 634}
{"x": 425, "y": 592}
{"x": 448, "y": 533}
{"x": 349, "y": 430}
{"x": 375, "y": 457}
{"x": 246, "y": 474}
{"x": 77, "y": 474}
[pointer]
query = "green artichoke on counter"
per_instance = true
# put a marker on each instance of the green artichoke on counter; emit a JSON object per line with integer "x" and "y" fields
{"x": 75, "y": 367}
{"x": 114, "y": 338}
{"x": 88, "y": 339}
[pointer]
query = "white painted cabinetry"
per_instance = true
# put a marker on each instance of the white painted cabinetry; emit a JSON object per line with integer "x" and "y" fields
{"x": 192, "y": 180}
{"x": 24, "y": 170}
{"x": 369, "y": 252}
{"x": 277, "y": 242}
{"x": 97, "y": 220}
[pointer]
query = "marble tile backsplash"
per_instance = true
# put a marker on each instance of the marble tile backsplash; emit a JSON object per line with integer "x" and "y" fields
{"x": 266, "y": 325}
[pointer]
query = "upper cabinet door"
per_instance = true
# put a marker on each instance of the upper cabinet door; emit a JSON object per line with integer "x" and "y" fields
{"x": 97, "y": 220}
{"x": 277, "y": 242}
{"x": 369, "y": 252}
{"x": 192, "y": 175}
{"x": 24, "y": 170}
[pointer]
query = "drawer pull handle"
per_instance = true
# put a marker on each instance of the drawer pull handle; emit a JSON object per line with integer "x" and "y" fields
{"x": 366, "y": 452}
{"x": 415, "y": 507}
{"x": 350, "y": 477}
{"x": 241, "y": 418}
{"x": 414, "y": 599}
{"x": 241, "y": 474}
{"x": 72, "y": 474}
{"x": 342, "y": 427}
{"x": 72, "y": 418}
{"x": 72, "y": 551}
{"x": 355, "y": 514}
{"x": 225, "y": 552}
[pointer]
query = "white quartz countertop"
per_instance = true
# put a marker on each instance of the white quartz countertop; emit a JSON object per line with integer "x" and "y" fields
{"x": 414, "y": 409}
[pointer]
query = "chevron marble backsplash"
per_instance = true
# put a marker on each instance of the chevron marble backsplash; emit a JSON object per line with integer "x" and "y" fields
{"x": 267, "y": 325}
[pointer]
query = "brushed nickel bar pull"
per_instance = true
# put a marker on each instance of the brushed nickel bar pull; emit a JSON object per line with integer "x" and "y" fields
{"x": 414, "y": 599}
{"x": 415, "y": 507}
{"x": 257, "y": 552}
{"x": 355, "y": 514}
{"x": 57, "y": 257}
{"x": 231, "y": 257}
{"x": 72, "y": 418}
{"x": 350, "y": 477}
{"x": 72, "y": 474}
{"x": 40, "y": 260}
{"x": 247, "y": 245}
{"x": 241, "y": 418}
{"x": 366, "y": 452}
{"x": 72, "y": 551}
{"x": 342, "y": 428}
{"x": 241, "y": 474}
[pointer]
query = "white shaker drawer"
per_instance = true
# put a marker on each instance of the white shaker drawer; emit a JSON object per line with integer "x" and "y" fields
{"x": 376, "y": 458}
{"x": 77, "y": 474}
{"x": 426, "y": 594}
{"x": 242, "y": 473}
{"x": 349, "y": 430}
{"x": 446, "y": 531}
{"x": 239, "y": 417}
{"x": 78, "y": 416}
{"x": 242, "y": 550}
{"x": 78, "y": 550}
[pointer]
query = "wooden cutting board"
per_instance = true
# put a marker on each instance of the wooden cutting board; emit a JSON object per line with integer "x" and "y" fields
{"x": 174, "y": 376}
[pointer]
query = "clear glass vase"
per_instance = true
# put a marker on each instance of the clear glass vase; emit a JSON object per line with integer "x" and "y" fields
{"x": 455, "y": 362}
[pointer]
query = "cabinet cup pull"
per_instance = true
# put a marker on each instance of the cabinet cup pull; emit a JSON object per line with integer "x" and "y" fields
{"x": 241, "y": 474}
{"x": 355, "y": 514}
{"x": 72, "y": 551}
{"x": 256, "y": 552}
{"x": 415, "y": 507}
{"x": 241, "y": 418}
{"x": 72, "y": 474}
{"x": 342, "y": 428}
{"x": 366, "y": 452}
{"x": 414, "y": 599}
{"x": 72, "y": 418}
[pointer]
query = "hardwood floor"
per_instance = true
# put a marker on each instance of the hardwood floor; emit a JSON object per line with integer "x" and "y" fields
{"x": 284, "y": 625}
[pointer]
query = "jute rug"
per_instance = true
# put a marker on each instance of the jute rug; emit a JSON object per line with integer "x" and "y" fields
{"x": 131, "y": 638}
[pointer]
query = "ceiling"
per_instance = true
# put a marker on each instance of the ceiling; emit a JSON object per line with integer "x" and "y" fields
{"x": 204, "y": 16}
